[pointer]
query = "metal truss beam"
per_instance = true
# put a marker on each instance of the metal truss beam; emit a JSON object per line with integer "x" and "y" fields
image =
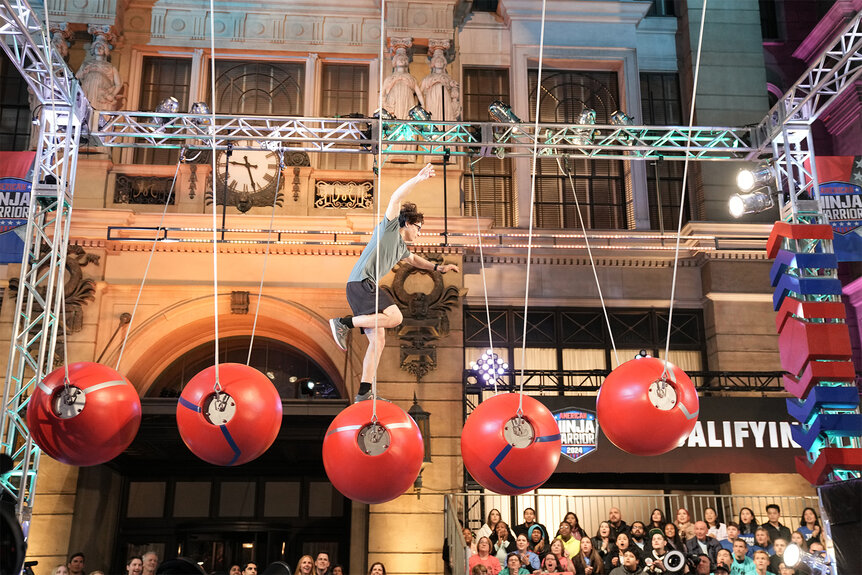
{"x": 837, "y": 68}
{"x": 63, "y": 110}
{"x": 27, "y": 43}
{"x": 342, "y": 135}
{"x": 599, "y": 241}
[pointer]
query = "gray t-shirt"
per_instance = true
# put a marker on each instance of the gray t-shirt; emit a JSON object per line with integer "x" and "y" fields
{"x": 392, "y": 250}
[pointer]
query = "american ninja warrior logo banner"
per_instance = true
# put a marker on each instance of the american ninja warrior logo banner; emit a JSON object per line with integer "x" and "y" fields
{"x": 578, "y": 432}
{"x": 14, "y": 203}
{"x": 841, "y": 202}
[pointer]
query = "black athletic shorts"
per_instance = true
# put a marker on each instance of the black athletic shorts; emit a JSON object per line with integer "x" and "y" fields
{"x": 361, "y": 297}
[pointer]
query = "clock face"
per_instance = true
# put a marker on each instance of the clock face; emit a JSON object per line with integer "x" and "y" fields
{"x": 247, "y": 171}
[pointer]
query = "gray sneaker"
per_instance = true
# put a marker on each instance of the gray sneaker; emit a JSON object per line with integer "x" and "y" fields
{"x": 366, "y": 396}
{"x": 339, "y": 332}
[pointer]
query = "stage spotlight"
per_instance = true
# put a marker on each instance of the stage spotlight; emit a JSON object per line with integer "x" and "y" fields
{"x": 503, "y": 113}
{"x": 750, "y": 178}
{"x": 419, "y": 113}
{"x": 383, "y": 114}
{"x": 585, "y": 137}
{"x": 169, "y": 105}
{"x": 200, "y": 109}
{"x": 489, "y": 367}
{"x": 750, "y": 203}
{"x": 619, "y": 118}
{"x": 794, "y": 556}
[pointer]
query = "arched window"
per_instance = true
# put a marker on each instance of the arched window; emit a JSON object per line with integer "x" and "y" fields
{"x": 599, "y": 184}
{"x": 260, "y": 88}
{"x": 287, "y": 367}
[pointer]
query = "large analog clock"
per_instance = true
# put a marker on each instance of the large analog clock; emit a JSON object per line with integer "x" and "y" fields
{"x": 247, "y": 172}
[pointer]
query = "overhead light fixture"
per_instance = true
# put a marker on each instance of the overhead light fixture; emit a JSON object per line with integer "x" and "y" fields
{"x": 750, "y": 178}
{"x": 307, "y": 386}
{"x": 419, "y": 113}
{"x": 585, "y": 137}
{"x": 202, "y": 111}
{"x": 489, "y": 367}
{"x": 383, "y": 114}
{"x": 167, "y": 106}
{"x": 503, "y": 113}
{"x": 750, "y": 203}
{"x": 619, "y": 118}
{"x": 794, "y": 556}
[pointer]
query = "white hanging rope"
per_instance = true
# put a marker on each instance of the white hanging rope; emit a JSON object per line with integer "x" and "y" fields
{"x": 266, "y": 253}
{"x": 217, "y": 385}
{"x": 373, "y": 340}
{"x": 592, "y": 261}
{"x": 149, "y": 261}
{"x": 532, "y": 206}
{"x": 482, "y": 262}
{"x": 61, "y": 273}
{"x": 683, "y": 191}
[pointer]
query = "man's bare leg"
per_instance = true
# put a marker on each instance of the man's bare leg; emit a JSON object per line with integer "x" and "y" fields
{"x": 389, "y": 317}
{"x": 376, "y": 343}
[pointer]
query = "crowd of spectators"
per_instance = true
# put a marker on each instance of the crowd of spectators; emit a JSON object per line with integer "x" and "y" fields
{"x": 148, "y": 564}
{"x": 708, "y": 546}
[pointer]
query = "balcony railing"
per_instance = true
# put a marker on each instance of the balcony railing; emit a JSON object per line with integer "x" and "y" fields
{"x": 548, "y": 382}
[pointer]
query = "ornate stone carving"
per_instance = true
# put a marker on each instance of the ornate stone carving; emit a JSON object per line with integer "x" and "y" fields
{"x": 78, "y": 291}
{"x": 343, "y": 194}
{"x": 99, "y": 78}
{"x": 442, "y": 92}
{"x": 239, "y": 302}
{"x": 61, "y": 38}
{"x": 299, "y": 159}
{"x": 426, "y": 317}
{"x": 142, "y": 190}
{"x": 400, "y": 89}
{"x": 193, "y": 180}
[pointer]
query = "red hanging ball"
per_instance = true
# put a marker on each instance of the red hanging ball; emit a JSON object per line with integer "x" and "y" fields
{"x": 642, "y": 415}
{"x": 507, "y": 454}
{"x": 92, "y": 422}
{"x": 373, "y": 463}
{"x": 235, "y": 426}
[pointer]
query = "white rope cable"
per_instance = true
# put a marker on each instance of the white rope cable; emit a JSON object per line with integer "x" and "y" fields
{"x": 149, "y": 261}
{"x": 373, "y": 340}
{"x": 683, "y": 191}
{"x": 61, "y": 273}
{"x": 482, "y": 262}
{"x": 217, "y": 385}
{"x": 532, "y": 206}
{"x": 592, "y": 261}
{"x": 266, "y": 253}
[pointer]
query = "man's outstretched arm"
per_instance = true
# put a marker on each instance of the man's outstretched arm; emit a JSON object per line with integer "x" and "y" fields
{"x": 423, "y": 264}
{"x": 394, "y": 207}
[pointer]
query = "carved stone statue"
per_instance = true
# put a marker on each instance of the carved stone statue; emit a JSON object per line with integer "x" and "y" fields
{"x": 60, "y": 36}
{"x": 99, "y": 78}
{"x": 442, "y": 93}
{"x": 400, "y": 88}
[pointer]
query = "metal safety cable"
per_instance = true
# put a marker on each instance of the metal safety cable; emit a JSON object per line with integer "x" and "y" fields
{"x": 532, "y": 206}
{"x": 373, "y": 340}
{"x": 568, "y": 172}
{"x": 149, "y": 260}
{"x": 482, "y": 263}
{"x": 217, "y": 384}
{"x": 266, "y": 253}
{"x": 683, "y": 192}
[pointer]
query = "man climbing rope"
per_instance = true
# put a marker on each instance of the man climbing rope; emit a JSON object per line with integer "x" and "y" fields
{"x": 399, "y": 226}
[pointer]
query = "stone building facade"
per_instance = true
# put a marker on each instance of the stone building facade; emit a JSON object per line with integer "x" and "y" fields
{"x": 322, "y": 59}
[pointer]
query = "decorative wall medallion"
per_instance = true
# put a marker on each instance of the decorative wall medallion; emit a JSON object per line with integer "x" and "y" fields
{"x": 426, "y": 316}
{"x": 343, "y": 194}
